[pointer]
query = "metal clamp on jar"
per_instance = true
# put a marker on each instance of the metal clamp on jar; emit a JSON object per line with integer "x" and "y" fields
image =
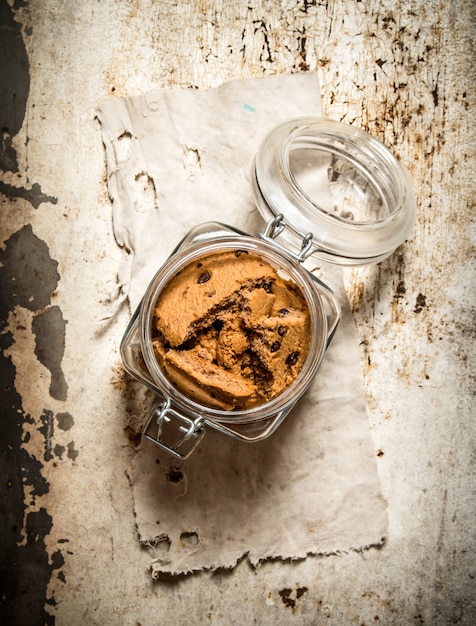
{"x": 325, "y": 189}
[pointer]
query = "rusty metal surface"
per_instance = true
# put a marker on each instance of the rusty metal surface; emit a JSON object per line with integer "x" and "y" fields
{"x": 402, "y": 70}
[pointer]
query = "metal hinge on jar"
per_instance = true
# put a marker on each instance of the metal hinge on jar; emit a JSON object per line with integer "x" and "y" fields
{"x": 173, "y": 432}
{"x": 275, "y": 227}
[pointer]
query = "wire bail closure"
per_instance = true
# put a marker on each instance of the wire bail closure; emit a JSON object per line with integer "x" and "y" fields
{"x": 172, "y": 431}
{"x": 275, "y": 227}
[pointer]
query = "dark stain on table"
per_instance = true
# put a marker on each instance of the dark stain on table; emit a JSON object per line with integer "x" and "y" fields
{"x": 49, "y": 328}
{"x": 14, "y": 90}
{"x": 28, "y": 277}
{"x": 14, "y": 85}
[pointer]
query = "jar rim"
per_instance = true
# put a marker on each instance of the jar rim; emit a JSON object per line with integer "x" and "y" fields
{"x": 336, "y": 237}
{"x": 318, "y": 334}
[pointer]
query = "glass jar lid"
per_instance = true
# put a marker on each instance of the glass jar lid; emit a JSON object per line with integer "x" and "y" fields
{"x": 337, "y": 182}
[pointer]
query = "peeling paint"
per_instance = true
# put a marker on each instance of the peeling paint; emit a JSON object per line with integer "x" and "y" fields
{"x": 14, "y": 90}
{"x": 28, "y": 277}
{"x": 65, "y": 421}
{"x": 47, "y": 430}
{"x": 14, "y": 85}
{"x": 50, "y": 329}
{"x": 72, "y": 453}
{"x": 28, "y": 274}
{"x": 34, "y": 195}
{"x": 24, "y": 566}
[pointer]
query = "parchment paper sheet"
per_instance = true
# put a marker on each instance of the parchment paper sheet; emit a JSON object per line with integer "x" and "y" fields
{"x": 175, "y": 159}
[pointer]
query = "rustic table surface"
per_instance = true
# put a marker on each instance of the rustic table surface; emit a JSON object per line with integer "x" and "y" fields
{"x": 401, "y": 69}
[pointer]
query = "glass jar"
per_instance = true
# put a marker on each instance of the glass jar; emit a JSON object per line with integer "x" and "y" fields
{"x": 326, "y": 189}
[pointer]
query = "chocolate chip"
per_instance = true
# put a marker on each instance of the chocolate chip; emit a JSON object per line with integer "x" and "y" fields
{"x": 282, "y": 331}
{"x": 218, "y": 325}
{"x": 267, "y": 285}
{"x": 283, "y": 312}
{"x": 199, "y": 264}
{"x": 203, "y": 278}
{"x": 275, "y": 346}
{"x": 240, "y": 252}
{"x": 292, "y": 358}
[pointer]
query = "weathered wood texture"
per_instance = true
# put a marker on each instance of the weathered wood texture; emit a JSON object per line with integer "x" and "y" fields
{"x": 402, "y": 70}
